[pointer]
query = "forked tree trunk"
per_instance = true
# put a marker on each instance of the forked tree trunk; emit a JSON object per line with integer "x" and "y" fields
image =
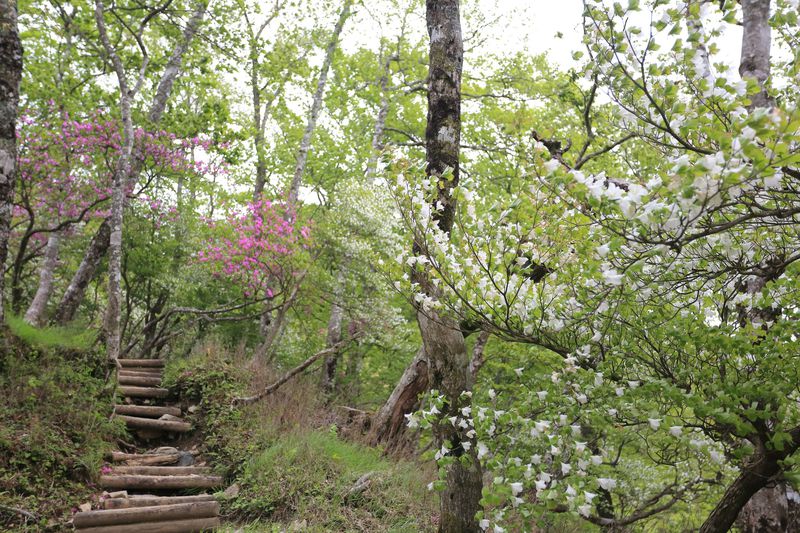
{"x": 448, "y": 360}
{"x": 10, "y": 75}
{"x": 99, "y": 244}
{"x": 35, "y": 314}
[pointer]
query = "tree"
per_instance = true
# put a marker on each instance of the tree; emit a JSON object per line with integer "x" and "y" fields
{"x": 10, "y": 75}
{"x": 448, "y": 362}
{"x": 100, "y": 242}
{"x": 652, "y": 272}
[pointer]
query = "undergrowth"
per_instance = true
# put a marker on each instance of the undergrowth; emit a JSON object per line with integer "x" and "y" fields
{"x": 54, "y": 425}
{"x": 287, "y": 458}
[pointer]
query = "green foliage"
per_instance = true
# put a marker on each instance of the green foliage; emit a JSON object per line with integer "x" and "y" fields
{"x": 54, "y": 427}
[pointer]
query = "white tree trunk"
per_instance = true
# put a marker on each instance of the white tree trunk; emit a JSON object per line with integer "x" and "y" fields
{"x": 35, "y": 314}
{"x": 316, "y": 104}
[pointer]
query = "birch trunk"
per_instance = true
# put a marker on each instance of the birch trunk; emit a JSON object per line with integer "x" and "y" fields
{"x": 121, "y": 173}
{"x": 35, "y": 314}
{"x": 316, "y": 104}
{"x": 756, "y": 42}
{"x": 99, "y": 244}
{"x": 10, "y": 75}
{"x": 448, "y": 360}
{"x": 272, "y": 327}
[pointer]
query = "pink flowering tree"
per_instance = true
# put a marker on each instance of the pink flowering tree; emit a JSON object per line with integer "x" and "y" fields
{"x": 260, "y": 248}
{"x": 65, "y": 170}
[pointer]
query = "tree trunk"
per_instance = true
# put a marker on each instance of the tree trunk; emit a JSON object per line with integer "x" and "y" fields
{"x": 316, "y": 104}
{"x": 756, "y": 40}
{"x": 10, "y": 75}
{"x": 448, "y": 360}
{"x": 751, "y": 479}
{"x": 767, "y": 511}
{"x": 390, "y": 420}
{"x": 73, "y": 296}
{"x": 36, "y": 311}
{"x": 334, "y": 337}
{"x": 121, "y": 174}
{"x": 65, "y": 312}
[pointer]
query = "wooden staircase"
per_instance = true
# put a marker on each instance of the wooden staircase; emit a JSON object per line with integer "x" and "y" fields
{"x": 151, "y": 492}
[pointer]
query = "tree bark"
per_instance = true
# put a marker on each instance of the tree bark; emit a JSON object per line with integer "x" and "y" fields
{"x": 761, "y": 470}
{"x": 334, "y": 336}
{"x": 121, "y": 173}
{"x": 10, "y": 75}
{"x": 98, "y": 246}
{"x": 36, "y": 310}
{"x": 448, "y": 360}
{"x": 390, "y": 420}
{"x": 316, "y": 104}
{"x": 756, "y": 41}
{"x": 73, "y": 295}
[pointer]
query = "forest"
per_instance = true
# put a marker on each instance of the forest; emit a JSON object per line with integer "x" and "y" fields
{"x": 373, "y": 265}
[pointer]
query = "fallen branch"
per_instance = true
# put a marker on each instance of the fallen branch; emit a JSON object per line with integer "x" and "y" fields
{"x": 360, "y": 485}
{"x": 16, "y": 510}
{"x": 247, "y": 400}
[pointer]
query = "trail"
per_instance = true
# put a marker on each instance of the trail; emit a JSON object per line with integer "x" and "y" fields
{"x": 161, "y": 490}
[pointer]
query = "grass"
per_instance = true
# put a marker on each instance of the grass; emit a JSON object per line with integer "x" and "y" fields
{"x": 293, "y": 467}
{"x": 68, "y": 338}
{"x": 307, "y": 476}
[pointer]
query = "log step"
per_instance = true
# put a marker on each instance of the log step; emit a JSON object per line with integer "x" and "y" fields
{"x": 156, "y": 363}
{"x": 173, "y": 526}
{"x": 135, "y": 422}
{"x": 141, "y": 371}
{"x": 162, "y": 470}
{"x": 150, "y": 501}
{"x": 147, "y": 411}
{"x": 143, "y": 392}
{"x": 145, "y": 459}
{"x": 143, "y": 515}
{"x": 141, "y": 381}
{"x": 135, "y": 482}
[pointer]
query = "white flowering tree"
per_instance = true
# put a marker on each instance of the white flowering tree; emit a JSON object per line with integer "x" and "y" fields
{"x": 653, "y": 268}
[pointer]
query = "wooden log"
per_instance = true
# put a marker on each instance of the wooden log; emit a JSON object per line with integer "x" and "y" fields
{"x": 139, "y": 515}
{"x": 131, "y": 482}
{"x": 173, "y": 526}
{"x": 143, "y": 392}
{"x": 141, "y": 371}
{"x": 156, "y": 424}
{"x": 162, "y": 470}
{"x": 145, "y": 459}
{"x": 141, "y": 381}
{"x": 157, "y": 363}
{"x": 149, "y": 501}
{"x": 147, "y": 411}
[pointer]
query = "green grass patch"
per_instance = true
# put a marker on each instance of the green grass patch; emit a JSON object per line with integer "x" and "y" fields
{"x": 68, "y": 338}
{"x": 307, "y": 477}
